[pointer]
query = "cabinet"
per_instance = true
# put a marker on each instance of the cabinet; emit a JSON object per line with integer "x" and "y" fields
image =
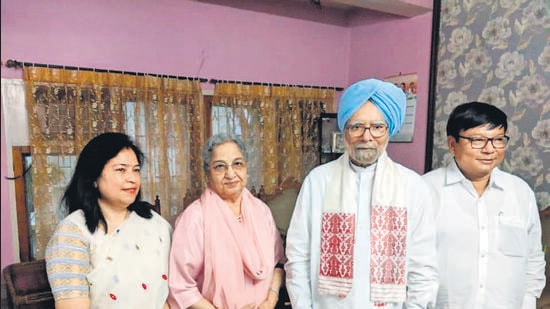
{"x": 331, "y": 140}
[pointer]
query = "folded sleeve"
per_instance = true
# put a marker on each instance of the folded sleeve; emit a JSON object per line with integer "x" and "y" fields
{"x": 186, "y": 263}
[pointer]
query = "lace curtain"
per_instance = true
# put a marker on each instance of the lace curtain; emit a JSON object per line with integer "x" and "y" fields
{"x": 279, "y": 125}
{"x": 66, "y": 108}
{"x": 298, "y": 113}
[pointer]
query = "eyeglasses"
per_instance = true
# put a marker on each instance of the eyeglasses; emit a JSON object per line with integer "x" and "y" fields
{"x": 375, "y": 129}
{"x": 220, "y": 167}
{"x": 480, "y": 142}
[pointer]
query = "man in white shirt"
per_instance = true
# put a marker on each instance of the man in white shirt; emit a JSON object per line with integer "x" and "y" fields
{"x": 362, "y": 233}
{"x": 488, "y": 227}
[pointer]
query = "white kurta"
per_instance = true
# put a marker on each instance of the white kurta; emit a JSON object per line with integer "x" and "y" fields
{"x": 304, "y": 234}
{"x": 489, "y": 246}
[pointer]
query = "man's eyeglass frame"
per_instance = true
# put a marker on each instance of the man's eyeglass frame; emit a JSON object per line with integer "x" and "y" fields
{"x": 383, "y": 126}
{"x": 475, "y": 142}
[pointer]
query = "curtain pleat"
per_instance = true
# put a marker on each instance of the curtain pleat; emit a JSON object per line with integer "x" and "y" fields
{"x": 166, "y": 118}
{"x": 280, "y": 128}
{"x": 66, "y": 108}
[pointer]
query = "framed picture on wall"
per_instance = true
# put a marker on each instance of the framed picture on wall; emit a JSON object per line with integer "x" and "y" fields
{"x": 407, "y": 83}
{"x": 338, "y": 142}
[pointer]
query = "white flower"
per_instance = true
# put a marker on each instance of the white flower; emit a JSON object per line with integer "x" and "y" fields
{"x": 535, "y": 14}
{"x": 541, "y": 133}
{"x": 440, "y": 134}
{"x": 513, "y": 132}
{"x": 454, "y": 99}
{"x": 450, "y": 9}
{"x": 544, "y": 58}
{"x": 446, "y": 72}
{"x": 506, "y": 4}
{"x": 461, "y": 38}
{"x": 510, "y": 65}
{"x": 533, "y": 90}
{"x": 478, "y": 60}
{"x": 497, "y": 31}
{"x": 493, "y": 95}
{"x": 525, "y": 159}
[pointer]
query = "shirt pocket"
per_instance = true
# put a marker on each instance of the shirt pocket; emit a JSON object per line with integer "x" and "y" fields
{"x": 512, "y": 236}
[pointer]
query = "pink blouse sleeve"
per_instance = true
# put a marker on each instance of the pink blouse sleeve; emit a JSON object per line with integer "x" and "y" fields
{"x": 186, "y": 262}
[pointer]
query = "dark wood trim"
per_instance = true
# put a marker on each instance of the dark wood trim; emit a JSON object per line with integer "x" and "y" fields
{"x": 432, "y": 86}
{"x": 18, "y": 154}
{"x": 215, "y": 81}
{"x": 19, "y": 64}
{"x": 207, "y": 101}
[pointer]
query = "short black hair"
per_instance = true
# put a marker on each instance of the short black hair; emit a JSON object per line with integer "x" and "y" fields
{"x": 475, "y": 114}
{"x": 81, "y": 192}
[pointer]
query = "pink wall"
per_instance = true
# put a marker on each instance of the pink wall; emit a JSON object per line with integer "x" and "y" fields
{"x": 387, "y": 48}
{"x": 188, "y": 38}
{"x": 175, "y": 37}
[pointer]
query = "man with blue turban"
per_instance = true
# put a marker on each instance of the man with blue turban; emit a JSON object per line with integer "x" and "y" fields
{"x": 362, "y": 233}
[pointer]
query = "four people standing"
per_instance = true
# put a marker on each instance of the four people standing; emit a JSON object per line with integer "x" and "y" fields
{"x": 488, "y": 227}
{"x": 366, "y": 232}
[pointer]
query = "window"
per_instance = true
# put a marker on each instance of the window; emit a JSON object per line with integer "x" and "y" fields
{"x": 241, "y": 122}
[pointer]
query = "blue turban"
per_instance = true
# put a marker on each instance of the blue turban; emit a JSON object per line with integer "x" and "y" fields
{"x": 389, "y": 99}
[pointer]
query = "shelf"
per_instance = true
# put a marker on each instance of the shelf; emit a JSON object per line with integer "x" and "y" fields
{"x": 328, "y": 135}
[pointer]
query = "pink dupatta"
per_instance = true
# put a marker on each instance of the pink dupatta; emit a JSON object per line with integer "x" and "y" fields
{"x": 235, "y": 250}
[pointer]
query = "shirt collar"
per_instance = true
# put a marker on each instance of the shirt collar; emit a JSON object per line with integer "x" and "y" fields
{"x": 454, "y": 175}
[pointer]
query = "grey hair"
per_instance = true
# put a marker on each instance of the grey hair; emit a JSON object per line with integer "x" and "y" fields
{"x": 217, "y": 140}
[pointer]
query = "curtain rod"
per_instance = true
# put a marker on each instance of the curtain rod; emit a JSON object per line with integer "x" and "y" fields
{"x": 213, "y": 81}
{"x": 18, "y": 64}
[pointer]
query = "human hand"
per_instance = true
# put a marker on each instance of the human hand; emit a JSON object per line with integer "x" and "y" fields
{"x": 270, "y": 302}
{"x": 249, "y": 306}
{"x": 267, "y": 305}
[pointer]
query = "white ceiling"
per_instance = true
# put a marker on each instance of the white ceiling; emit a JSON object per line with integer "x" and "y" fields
{"x": 338, "y": 12}
{"x": 397, "y": 7}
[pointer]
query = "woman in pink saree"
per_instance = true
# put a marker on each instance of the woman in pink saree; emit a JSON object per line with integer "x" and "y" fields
{"x": 226, "y": 250}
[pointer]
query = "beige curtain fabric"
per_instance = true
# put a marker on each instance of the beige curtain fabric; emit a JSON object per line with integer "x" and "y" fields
{"x": 279, "y": 124}
{"x": 245, "y": 110}
{"x": 298, "y": 112}
{"x": 67, "y": 108}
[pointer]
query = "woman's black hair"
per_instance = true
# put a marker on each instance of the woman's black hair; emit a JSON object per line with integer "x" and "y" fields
{"x": 475, "y": 114}
{"x": 81, "y": 192}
